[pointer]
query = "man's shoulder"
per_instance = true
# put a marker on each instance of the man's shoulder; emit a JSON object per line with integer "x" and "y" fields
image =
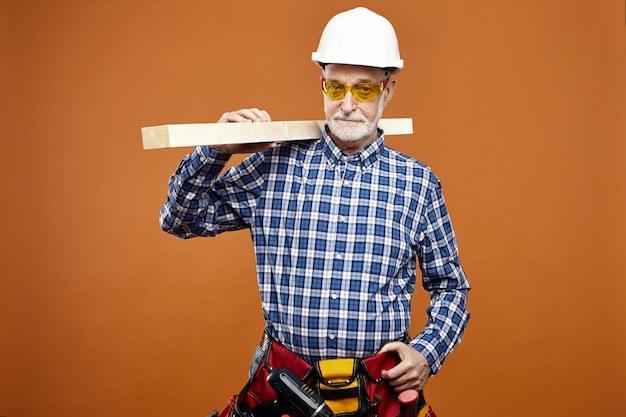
{"x": 410, "y": 165}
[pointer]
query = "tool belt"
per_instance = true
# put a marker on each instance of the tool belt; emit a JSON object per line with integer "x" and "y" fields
{"x": 350, "y": 387}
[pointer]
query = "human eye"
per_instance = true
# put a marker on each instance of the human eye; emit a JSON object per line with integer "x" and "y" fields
{"x": 334, "y": 86}
{"x": 364, "y": 87}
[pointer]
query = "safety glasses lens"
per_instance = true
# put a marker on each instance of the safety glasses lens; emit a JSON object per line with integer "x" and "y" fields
{"x": 361, "y": 91}
{"x": 365, "y": 91}
{"x": 335, "y": 90}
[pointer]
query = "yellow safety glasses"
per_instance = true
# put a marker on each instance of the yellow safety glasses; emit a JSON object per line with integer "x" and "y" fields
{"x": 360, "y": 91}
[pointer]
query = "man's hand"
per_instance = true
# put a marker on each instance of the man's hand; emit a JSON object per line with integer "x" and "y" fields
{"x": 412, "y": 371}
{"x": 244, "y": 116}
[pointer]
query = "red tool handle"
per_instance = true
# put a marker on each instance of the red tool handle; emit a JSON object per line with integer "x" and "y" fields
{"x": 408, "y": 403}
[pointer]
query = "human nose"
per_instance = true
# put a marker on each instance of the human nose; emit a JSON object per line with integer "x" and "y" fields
{"x": 348, "y": 102}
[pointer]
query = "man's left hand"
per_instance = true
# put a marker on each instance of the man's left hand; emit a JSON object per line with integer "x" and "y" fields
{"x": 412, "y": 371}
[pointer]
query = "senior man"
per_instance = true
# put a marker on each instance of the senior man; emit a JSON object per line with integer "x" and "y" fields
{"x": 340, "y": 226}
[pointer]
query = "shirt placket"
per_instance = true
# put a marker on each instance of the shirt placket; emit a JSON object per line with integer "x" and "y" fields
{"x": 344, "y": 184}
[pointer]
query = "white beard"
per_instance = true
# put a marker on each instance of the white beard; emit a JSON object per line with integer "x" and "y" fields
{"x": 353, "y": 127}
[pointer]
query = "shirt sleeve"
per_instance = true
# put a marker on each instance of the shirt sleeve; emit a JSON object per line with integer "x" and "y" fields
{"x": 444, "y": 278}
{"x": 201, "y": 204}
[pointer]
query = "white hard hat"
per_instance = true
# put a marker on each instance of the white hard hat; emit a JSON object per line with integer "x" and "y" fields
{"x": 359, "y": 37}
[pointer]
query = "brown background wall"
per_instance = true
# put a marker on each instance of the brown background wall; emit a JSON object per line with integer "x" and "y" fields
{"x": 519, "y": 106}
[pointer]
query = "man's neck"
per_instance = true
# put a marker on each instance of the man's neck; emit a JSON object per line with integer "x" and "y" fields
{"x": 353, "y": 146}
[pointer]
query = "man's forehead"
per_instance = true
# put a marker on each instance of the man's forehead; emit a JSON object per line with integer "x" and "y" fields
{"x": 357, "y": 72}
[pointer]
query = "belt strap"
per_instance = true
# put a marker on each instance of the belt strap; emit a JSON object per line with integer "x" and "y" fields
{"x": 267, "y": 339}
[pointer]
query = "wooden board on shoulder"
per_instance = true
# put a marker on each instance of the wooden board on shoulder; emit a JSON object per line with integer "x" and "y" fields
{"x": 199, "y": 134}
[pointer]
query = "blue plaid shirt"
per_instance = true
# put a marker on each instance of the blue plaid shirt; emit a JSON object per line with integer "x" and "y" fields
{"x": 336, "y": 239}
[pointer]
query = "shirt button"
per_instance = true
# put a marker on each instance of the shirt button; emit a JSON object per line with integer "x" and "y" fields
{"x": 331, "y": 336}
{"x": 342, "y": 219}
{"x": 346, "y": 183}
{"x": 333, "y": 296}
{"x": 338, "y": 256}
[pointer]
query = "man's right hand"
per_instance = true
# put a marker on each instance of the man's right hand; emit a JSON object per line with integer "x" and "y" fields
{"x": 244, "y": 116}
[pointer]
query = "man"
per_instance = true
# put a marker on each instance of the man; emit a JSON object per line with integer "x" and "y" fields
{"x": 337, "y": 223}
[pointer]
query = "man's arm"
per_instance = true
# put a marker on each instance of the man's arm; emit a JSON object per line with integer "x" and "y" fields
{"x": 444, "y": 278}
{"x": 191, "y": 205}
{"x": 197, "y": 203}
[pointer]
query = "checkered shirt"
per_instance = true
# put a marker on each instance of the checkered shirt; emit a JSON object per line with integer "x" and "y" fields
{"x": 337, "y": 238}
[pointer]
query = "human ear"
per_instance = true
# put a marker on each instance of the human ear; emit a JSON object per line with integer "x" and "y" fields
{"x": 388, "y": 91}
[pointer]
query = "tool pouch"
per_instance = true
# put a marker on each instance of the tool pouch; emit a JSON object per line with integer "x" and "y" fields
{"x": 356, "y": 388}
{"x": 258, "y": 398}
{"x": 341, "y": 383}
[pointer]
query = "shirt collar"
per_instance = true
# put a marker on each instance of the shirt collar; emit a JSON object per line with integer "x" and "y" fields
{"x": 365, "y": 157}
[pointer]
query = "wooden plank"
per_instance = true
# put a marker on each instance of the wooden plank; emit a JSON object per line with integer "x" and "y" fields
{"x": 198, "y": 134}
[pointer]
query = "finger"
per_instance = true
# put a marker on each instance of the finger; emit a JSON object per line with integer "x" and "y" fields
{"x": 395, "y": 372}
{"x": 254, "y": 115}
{"x": 393, "y": 347}
{"x": 259, "y": 115}
{"x": 245, "y": 115}
{"x": 233, "y": 117}
{"x": 404, "y": 383}
{"x": 266, "y": 116}
{"x": 421, "y": 382}
{"x": 249, "y": 114}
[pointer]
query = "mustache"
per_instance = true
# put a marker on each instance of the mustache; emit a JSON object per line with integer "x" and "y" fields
{"x": 341, "y": 116}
